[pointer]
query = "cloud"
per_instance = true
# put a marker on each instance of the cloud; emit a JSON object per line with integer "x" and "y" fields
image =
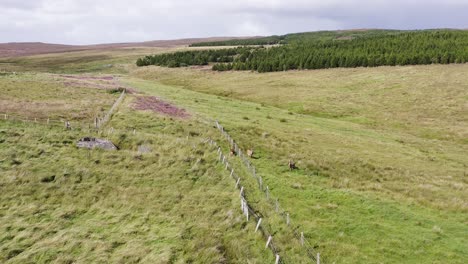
{"x": 100, "y": 21}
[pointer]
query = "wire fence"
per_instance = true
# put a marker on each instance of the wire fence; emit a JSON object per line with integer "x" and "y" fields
{"x": 67, "y": 123}
{"x": 313, "y": 255}
{"x": 247, "y": 209}
{"x": 99, "y": 122}
{"x": 46, "y": 121}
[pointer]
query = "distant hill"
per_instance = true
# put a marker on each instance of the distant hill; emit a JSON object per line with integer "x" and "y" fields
{"x": 15, "y": 49}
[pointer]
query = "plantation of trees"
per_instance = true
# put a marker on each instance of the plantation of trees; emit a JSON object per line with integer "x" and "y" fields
{"x": 195, "y": 57}
{"x": 294, "y": 37}
{"x": 389, "y": 48}
{"x": 242, "y": 42}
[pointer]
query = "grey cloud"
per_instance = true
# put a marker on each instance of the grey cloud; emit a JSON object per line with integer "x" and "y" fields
{"x": 99, "y": 21}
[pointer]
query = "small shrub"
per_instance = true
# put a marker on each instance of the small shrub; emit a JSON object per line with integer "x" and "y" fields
{"x": 48, "y": 179}
{"x": 193, "y": 133}
{"x": 283, "y": 120}
{"x": 13, "y": 253}
{"x": 116, "y": 90}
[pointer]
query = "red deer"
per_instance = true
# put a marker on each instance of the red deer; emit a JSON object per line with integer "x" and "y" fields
{"x": 232, "y": 152}
{"x": 292, "y": 165}
{"x": 250, "y": 153}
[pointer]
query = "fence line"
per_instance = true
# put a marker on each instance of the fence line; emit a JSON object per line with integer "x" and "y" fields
{"x": 249, "y": 212}
{"x": 314, "y": 256}
{"x": 73, "y": 125}
{"x": 99, "y": 122}
{"x": 45, "y": 121}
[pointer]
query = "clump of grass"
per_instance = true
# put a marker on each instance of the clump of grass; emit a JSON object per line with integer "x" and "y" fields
{"x": 47, "y": 179}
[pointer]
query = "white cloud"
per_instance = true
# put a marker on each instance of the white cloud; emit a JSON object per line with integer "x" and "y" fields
{"x": 98, "y": 21}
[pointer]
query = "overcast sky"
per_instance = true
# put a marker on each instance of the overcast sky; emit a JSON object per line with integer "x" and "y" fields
{"x": 107, "y": 21}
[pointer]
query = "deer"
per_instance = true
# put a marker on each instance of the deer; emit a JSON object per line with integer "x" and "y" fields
{"x": 292, "y": 165}
{"x": 232, "y": 152}
{"x": 250, "y": 153}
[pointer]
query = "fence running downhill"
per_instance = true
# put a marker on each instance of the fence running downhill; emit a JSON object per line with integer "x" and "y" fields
{"x": 247, "y": 210}
{"x": 314, "y": 256}
{"x": 99, "y": 122}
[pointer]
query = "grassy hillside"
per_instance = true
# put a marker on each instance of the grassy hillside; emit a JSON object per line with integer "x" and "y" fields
{"x": 426, "y": 101}
{"x": 170, "y": 203}
{"x": 42, "y": 96}
{"x": 381, "y": 178}
{"x": 363, "y": 195}
{"x": 115, "y": 60}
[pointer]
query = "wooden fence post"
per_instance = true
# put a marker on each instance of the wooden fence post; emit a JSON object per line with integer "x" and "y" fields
{"x": 318, "y": 258}
{"x": 237, "y": 183}
{"x": 267, "y": 193}
{"x": 302, "y": 238}
{"x": 48, "y": 120}
{"x": 232, "y": 172}
{"x": 6, "y": 116}
{"x": 241, "y": 193}
{"x": 246, "y": 208}
{"x": 287, "y": 218}
{"x": 258, "y": 224}
{"x": 268, "y": 241}
{"x": 277, "y": 259}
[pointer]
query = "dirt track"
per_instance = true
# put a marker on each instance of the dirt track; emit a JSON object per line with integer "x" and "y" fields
{"x": 159, "y": 106}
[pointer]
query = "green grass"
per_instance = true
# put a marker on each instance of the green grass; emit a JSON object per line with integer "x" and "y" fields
{"x": 360, "y": 194}
{"x": 171, "y": 205}
{"x": 428, "y": 101}
{"x": 115, "y": 61}
{"x": 42, "y": 96}
{"x": 381, "y": 155}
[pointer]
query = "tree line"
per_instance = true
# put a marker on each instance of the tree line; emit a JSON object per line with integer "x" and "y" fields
{"x": 402, "y": 48}
{"x": 195, "y": 57}
{"x": 241, "y": 42}
{"x": 295, "y": 37}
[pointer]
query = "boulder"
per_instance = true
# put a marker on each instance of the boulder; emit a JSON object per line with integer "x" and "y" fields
{"x": 90, "y": 143}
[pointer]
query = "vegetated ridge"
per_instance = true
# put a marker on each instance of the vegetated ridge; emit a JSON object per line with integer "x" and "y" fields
{"x": 319, "y": 50}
